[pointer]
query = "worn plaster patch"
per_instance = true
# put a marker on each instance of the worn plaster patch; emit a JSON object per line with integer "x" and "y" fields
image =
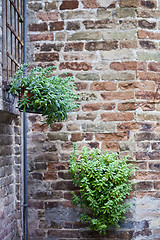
{"x": 104, "y": 3}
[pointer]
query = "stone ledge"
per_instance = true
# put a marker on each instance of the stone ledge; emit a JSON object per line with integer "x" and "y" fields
{"x": 8, "y": 105}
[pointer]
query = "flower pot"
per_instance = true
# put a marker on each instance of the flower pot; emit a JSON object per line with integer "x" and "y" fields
{"x": 29, "y": 110}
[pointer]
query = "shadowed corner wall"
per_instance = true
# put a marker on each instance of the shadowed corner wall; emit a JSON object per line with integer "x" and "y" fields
{"x": 10, "y": 162}
{"x": 112, "y": 50}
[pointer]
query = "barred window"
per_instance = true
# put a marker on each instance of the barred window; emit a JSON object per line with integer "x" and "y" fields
{"x": 12, "y": 37}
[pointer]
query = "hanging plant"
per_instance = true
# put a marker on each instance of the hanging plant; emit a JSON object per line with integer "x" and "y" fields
{"x": 41, "y": 91}
{"x": 104, "y": 184}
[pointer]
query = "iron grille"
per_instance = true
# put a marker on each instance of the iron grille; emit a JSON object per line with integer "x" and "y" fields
{"x": 12, "y": 37}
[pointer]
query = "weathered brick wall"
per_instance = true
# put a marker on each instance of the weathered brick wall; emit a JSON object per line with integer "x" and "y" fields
{"x": 6, "y": 101}
{"x": 111, "y": 48}
{"x": 10, "y": 163}
{"x": 10, "y": 177}
{"x": 0, "y": 53}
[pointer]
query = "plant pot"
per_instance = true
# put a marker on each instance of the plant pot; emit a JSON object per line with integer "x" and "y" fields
{"x": 29, "y": 110}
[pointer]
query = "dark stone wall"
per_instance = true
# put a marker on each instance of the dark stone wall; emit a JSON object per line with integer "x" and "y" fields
{"x": 10, "y": 177}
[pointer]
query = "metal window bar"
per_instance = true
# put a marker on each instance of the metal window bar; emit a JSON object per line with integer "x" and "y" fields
{"x": 14, "y": 37}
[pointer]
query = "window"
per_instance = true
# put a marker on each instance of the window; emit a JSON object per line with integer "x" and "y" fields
{"x": 12, "y": 37}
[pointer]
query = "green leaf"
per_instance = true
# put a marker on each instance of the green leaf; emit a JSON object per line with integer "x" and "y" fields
{"x": 104, "y": 183}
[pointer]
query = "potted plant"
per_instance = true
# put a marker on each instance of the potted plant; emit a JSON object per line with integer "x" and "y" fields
{"x": 41, "y": 91}
{"x": 104, "y": 183}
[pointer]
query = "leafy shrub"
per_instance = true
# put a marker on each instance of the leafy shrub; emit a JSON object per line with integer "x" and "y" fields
{"x": 104, "y": 183}
{"x": 53, "y": 95}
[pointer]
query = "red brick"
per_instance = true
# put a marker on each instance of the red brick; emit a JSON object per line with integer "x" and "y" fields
{"x": 143, "y": 136}
{"x": 149, "y": 85}
{"x": 108, "y": 106}
{"x": 151, "y": 193}
{"x": 154, "y": 166}
{"x": 45, "y": 47}
{"x": 73, "y": 26}
{"x": 128, "y": 126}
{"x": 128, "y": 44}
{"x": 156, "y": 146}
{"x": 56, "y": 26}
{"x": 37, "y": 233}
{"x": 63, "y": 185}
{"x": 90, "y": 4}
{"x": 148, "y": 4}
{"x": 39, "y": 127}
{"x": 77, "y": 137}
{"x": 142, "y": 165}
{"x": 101, "y": 45}
{"x": 48, "y": 16}
{"x": 73, "y": 127}
{"x": 46, "y": 57}
{"x": 146, "y": 24}
{"x": 63, "y": 234}
{"x": 94, "y": 144}
{"x": 148, "y": 35}
{"x": 88, "y": 116}
{"x": 127, "y": 116}
{"x": 140, "y": 85}
{"x": 147, "y": 175}
{"x": 110, "y": 146}
{"x": 154, "y": 66}
{"x": 81, "y": 86}
{"x": 35, "y": 204}
{"x": 119, "y": 136}
{"x": 148, "y": 44}
{"x": 38, "y": 27}
{"x": 50, "y": 6}
{"x": 147, "y": 106}
{"x": 127, "y": 106}
{"x": 35, "y": 6}
{"x": 91, "y": 107}
{"x": 55, "y": 166}
{"x": 88, "y": 136}
{"x": 148, "y": 76}
{"x": 74, "y": 46}
{"x": 118, "y": 95}
{"x": 99, "y": 24}
{"x": 101, "y": 86}
{"x": 145, "y": 185}
{"x": 142, "y": 66}
{"x": 112, "y": 5}
{"x": 41, "y": 37}
{"x": 157, "y": 185}
{"x": 97, "y": 106}
{"x": 69, "y": 5}
{"x": 129, "y": 3}
{"x": 67, "y": 146}
{"x": 126, "y": 85}
{"x": 121, "y": 66}
{"x": 147, "y": 95}
{"x": 60, "y": 36}
{"x": 154, "y": 155}
{"x": 77, "y": 66}
{"x": 56, "y": 127}
{"x": 50, "y": 176}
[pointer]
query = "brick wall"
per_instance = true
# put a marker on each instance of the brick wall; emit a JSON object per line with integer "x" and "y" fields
{"x": 6, "y": 101}
{"x": 111, "y": 48}
{"x": 10, "y": 177}
{"x": 0, "y": 53}
{"x": 10, "y": 163}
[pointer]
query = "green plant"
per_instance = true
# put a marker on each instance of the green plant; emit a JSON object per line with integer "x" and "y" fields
{"x": 53, "y": 95}
{"x": 104, "y": 184}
